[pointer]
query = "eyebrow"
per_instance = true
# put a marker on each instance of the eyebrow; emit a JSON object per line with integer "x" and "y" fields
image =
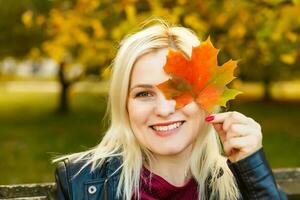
{"x": 142, "y": 85}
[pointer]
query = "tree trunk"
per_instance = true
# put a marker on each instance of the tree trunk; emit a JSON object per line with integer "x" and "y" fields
{"x": 267, "y": 91}
{"x": 63, "y": 103}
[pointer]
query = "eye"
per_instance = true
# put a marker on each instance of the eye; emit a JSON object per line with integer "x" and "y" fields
{"x": 143, "y": 94}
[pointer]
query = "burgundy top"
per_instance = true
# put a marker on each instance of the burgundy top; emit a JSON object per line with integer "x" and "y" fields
{"x": 158, "y": 188}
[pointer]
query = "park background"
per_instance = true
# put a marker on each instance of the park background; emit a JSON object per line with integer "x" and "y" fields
{"x": 55, "y": 58}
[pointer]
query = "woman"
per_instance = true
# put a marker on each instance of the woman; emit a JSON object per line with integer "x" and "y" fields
{"x": 153, "y": 151}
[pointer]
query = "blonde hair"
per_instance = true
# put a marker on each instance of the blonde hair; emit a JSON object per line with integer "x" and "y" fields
{"x": 206, "y": 160}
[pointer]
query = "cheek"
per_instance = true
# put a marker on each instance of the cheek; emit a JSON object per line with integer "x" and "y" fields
{"x": 195, "y": 115}
{"x": 193, "y": 111}
{"x": 139, "y": 113}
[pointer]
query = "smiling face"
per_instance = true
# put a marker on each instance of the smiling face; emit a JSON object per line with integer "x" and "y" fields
{"x": 154, "y": 120}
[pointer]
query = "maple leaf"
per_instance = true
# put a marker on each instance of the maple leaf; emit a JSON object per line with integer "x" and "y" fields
{"x": 198, "y": 79}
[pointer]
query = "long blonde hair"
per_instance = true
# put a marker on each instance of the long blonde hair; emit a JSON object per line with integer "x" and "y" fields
{"x": 206, "y": 160}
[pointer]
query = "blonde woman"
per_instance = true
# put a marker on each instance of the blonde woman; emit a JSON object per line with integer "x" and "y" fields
{"x": 152, "y": 151}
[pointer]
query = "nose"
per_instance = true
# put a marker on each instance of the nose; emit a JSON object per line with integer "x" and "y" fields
{"x": 164, "y": 107}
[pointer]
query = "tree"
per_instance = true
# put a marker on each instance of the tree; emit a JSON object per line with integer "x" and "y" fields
{"x": 263, "y": 34}
{"x": 15, "y": 39}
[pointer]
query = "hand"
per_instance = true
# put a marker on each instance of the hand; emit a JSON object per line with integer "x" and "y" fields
{"x": 241, "y": 136}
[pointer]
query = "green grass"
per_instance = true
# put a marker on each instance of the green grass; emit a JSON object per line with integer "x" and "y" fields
{"x": 31, "y": 132}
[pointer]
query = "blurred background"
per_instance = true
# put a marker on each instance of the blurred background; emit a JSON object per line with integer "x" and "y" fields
{"x": 55, "y": 58}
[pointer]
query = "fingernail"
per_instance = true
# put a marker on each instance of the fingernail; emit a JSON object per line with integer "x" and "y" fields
{"x": 209, "y": 118}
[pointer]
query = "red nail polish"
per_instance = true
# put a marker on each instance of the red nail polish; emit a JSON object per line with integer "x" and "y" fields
{"x": 209, "y": 118}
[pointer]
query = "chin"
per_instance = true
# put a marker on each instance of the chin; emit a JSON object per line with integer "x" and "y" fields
{"x": 168, "y": 150}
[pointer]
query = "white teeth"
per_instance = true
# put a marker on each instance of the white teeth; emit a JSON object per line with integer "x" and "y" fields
{"x": 167, "y": 128}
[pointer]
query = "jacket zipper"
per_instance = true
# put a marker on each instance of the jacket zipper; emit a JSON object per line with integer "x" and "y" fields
{"x": 105, "y": 192}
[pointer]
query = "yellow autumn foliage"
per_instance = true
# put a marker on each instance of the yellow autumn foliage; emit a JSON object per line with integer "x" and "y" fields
{"x": 260, "y": 33}
{"x": 27, "y": 18}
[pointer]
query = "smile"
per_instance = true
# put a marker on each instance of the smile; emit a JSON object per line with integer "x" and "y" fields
{"x": 167, "y": 126}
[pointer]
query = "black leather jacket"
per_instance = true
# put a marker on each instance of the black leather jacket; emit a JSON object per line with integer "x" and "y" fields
{"x": 254, "y": 177}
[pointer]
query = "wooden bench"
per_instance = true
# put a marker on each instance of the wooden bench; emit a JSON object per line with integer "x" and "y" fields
{"x": 288, "y": 180}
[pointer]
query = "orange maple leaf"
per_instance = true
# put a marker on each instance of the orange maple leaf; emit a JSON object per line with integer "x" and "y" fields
{"x": 198, "y": 79}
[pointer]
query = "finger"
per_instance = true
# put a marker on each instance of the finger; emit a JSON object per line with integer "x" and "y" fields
{"x": 234, "y": 117}
{"x": 238, "y": 130}
{"x": 235, "y": 143}
{"x": 221, "y": 117}
{"x": 254, "y": 123}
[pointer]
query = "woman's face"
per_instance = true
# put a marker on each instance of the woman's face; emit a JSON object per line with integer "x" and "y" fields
{"x": 154, "y": 120}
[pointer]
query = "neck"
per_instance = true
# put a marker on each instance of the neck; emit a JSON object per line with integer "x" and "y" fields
{"x": 173, "y": 168}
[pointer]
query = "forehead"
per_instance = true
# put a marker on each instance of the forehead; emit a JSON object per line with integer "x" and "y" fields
{"x": 148, "y": 69}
